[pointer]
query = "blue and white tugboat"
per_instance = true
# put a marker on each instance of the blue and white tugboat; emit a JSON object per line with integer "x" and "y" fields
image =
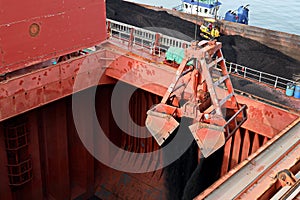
{"x": 209, "y": 9}
{"x": 205, "y": 8}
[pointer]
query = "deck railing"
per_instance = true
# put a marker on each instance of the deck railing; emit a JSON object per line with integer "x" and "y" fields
{"x": 146, "y": 39}
{"x": 143, "y": 38}
{"x": 261, "y": 77}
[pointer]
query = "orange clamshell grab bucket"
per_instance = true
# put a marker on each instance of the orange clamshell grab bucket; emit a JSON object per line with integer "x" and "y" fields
{"x": 160, "y": 122}
{"x": 208, "y": 137}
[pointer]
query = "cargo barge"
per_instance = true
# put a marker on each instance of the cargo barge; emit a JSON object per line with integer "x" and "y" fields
{"x": 58, "y": 97}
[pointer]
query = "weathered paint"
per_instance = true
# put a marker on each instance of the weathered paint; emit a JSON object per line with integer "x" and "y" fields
{"x": 272, "y": 120}
{"x": 265, "y": 119}
{"x": 61, "y": 27}
{"x": 42, "y": 86}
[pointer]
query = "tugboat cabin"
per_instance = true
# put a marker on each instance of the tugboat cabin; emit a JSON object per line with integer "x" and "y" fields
{"x": 205, "y": 8}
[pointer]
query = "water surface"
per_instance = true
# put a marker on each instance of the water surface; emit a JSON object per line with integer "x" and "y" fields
{"x": 276, "y": 15}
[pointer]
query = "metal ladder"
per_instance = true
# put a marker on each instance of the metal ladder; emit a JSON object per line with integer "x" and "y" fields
{"x": 212, "y": 85}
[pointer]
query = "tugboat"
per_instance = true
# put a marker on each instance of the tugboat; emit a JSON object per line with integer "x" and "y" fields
{"x": 209, "y": 9}
{"x": 240, "y": 15}
{"x": 205, "y": 8}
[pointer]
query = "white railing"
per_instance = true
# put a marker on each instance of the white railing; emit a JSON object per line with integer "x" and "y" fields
{"x": 142, "y": 37}
{"x": 262, "y": 77}
{"x": 123, "y": 32}
{"x": 146, "y": 39}
{"x": 168, "y": 41}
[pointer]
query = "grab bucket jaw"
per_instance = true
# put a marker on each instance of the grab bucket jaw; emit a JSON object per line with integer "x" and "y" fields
{"x": 161, "y": 123}
{"x": 209, "y": 137}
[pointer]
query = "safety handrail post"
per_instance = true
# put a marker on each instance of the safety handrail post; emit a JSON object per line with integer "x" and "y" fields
{"x": 230, "y": 66}
{"x": 260, "y": 76}
{"x": 275, "y": 85}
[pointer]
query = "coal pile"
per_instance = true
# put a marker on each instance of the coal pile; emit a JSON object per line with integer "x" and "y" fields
{"x": 178, "y": 173}
{"x": 206, "y": 173}
{"x": 185, "y": 177}
{"x": 255, "y": 55}
{"x": 236, "y": 49}
{"x": 135, "y": 15}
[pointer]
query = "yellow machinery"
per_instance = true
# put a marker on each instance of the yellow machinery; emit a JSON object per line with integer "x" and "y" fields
{"x": 209, "y": 29}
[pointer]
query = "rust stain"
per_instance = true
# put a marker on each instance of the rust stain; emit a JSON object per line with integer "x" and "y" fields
{"x": 125, "y": 70}
{"x": 269, "y": 114}
{"x": 45, "y": 73}
{"x": 129, "y": 64}
{"x": 255, "y": 112}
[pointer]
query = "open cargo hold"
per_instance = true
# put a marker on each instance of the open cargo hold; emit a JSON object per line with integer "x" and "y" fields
{"x": 184, "y": 178}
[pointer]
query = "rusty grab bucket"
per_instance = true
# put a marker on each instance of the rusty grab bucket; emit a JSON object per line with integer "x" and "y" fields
{"x": 209, "y": 137}
{"x": 160, "y": 122}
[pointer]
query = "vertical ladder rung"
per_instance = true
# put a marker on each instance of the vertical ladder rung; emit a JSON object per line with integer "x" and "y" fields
{"x": 221, "y": 80}
{"x": 225, "y": 99}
